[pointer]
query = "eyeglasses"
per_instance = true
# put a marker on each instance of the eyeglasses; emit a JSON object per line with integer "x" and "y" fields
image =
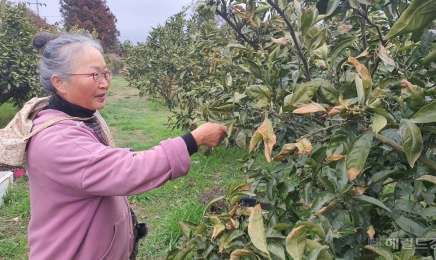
{"x": 98, "y": 76}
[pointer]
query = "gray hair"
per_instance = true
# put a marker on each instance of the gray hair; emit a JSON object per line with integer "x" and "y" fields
{"x": 59, "y": 55}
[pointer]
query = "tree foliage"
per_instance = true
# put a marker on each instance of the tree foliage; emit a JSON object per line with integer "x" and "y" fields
{"x": 339, "y": 97}
{"x": 18, "y": 60}
{"x": 38, "y": 21}
{"x": 90, "y": 15}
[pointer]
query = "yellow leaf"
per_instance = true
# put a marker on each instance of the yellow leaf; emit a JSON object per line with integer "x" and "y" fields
{"x": 266, "y": 132}
{"x": 280, "y": 41}
{"x": 287, "y": 149}
{"x": 371, "y": 232}
{"x": 364, "y": 74}
{"x": 335, "y": 157}
{"x": 217, "y": 229}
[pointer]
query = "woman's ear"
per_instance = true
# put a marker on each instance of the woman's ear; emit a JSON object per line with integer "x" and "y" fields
{"x": 59, "y": 84}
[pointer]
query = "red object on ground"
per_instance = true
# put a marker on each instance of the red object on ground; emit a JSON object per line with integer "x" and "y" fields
{"x": 19, "y": 173}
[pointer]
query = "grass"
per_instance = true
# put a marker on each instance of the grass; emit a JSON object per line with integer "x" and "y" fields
{"x": 140, "y": 125}
{"x": 7, "y": 112}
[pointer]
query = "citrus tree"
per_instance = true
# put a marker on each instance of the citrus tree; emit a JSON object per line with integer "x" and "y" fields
{"x": 338, "y": 98}
{"x": 18, "y": 60}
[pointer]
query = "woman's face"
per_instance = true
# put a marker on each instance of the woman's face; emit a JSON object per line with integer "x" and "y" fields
{"x": 82, "y": 90}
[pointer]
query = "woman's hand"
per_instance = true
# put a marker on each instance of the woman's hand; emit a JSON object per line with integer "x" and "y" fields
{"x": 209, "y": 134}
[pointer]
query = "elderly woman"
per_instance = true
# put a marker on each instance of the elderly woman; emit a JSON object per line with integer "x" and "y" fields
{"x": 78, "y": 179}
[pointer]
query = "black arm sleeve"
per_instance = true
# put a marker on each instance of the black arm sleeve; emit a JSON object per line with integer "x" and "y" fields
{"x": 190, "y": 143}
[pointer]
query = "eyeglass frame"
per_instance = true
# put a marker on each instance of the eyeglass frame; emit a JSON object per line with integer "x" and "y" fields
{"x": 107, "y": 75}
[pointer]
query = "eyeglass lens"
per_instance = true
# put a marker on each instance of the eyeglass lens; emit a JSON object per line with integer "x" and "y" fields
{"x": 98, "y": 75}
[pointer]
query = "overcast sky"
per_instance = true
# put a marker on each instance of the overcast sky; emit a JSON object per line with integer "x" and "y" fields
{"x": 135, "y": 17}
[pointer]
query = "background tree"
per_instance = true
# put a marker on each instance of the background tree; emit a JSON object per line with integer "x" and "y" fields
{"x": 90, "y": 15}
{"x": 38, "y": 21}
{"x": 18, "y": 60}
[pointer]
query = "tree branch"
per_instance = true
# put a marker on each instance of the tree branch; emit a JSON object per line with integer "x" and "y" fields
{"x": 399, "y": 148}
{"x": 237, "y": 30}
{"x": 294, "y": 38}
{"x": 380, "y": 35}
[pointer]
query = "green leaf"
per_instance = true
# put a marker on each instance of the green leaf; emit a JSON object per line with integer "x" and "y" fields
{"x": 260, "y": 93}
{"x": 211, "y": 202}
{"x": 406, "y": 254}
{"x": 185, "y": 228}
{"x": 328, "y": 94}
{"x": 378, "y": 123}
{"x": 428, "y": 178}
{"x": 384, "y": 113}
{"x": 410, "y": 225}
{"x": 256, "y": 229}
{"x": 306, "y": 19}
{"x": 262, "y": 9}
{"x": 235, "y": 255}
{"x": 431, "y": 57}
{"x": 341, "y": 175}
{"x": 357, "y": 217}
{"x": 427, "y": 114}
{"x": 367, "y": 199}
{"x": 313, "y": 245}
{"x": 282, "y": 226}
{"x": 341, "y": 140}
{"x": 381, "y": 251}
{"x": 381, "y": 176}
{"x": 321, "y": 200}
{"x": 228, "y": 237}
{"x": 327, "y": 184}
{"x": 277, "y": 250}
{"x": 296, "y": 242}
{"x": 338, "y": 49}
{"x": 359, "y": 151}
{"x": 303, "y": 93}
{"x": 414, "y": 19}
{"x": 312, "y": 226}
{"x": 411, "y": 141}
{"x": 429, "y": 212}
{"x": 317, "y": 252}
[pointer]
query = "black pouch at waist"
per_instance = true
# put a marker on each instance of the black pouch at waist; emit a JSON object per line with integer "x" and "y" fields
{"x": 140, "y": 230}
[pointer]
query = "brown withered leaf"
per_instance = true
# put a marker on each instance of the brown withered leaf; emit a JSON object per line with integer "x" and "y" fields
{"x": 358, "y": 190}
{"x": 309, "y": 109}
{"x": 352, "y": 174}
{"x": 384, "y": 56}
{"x": 242, "y": 187}
{"x": 304, "y": 146}
{"x": 345, "y": 28}
{"x": 213, "y": 65}
{"x": 406, "y": 86}
{"x": 336, "y": 110}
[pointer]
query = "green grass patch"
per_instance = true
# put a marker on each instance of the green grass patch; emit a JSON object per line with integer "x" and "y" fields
{"x": 7, "y": 112}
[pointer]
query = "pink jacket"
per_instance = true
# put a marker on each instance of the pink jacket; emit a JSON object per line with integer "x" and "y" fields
{"x": 77, "y": 189}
